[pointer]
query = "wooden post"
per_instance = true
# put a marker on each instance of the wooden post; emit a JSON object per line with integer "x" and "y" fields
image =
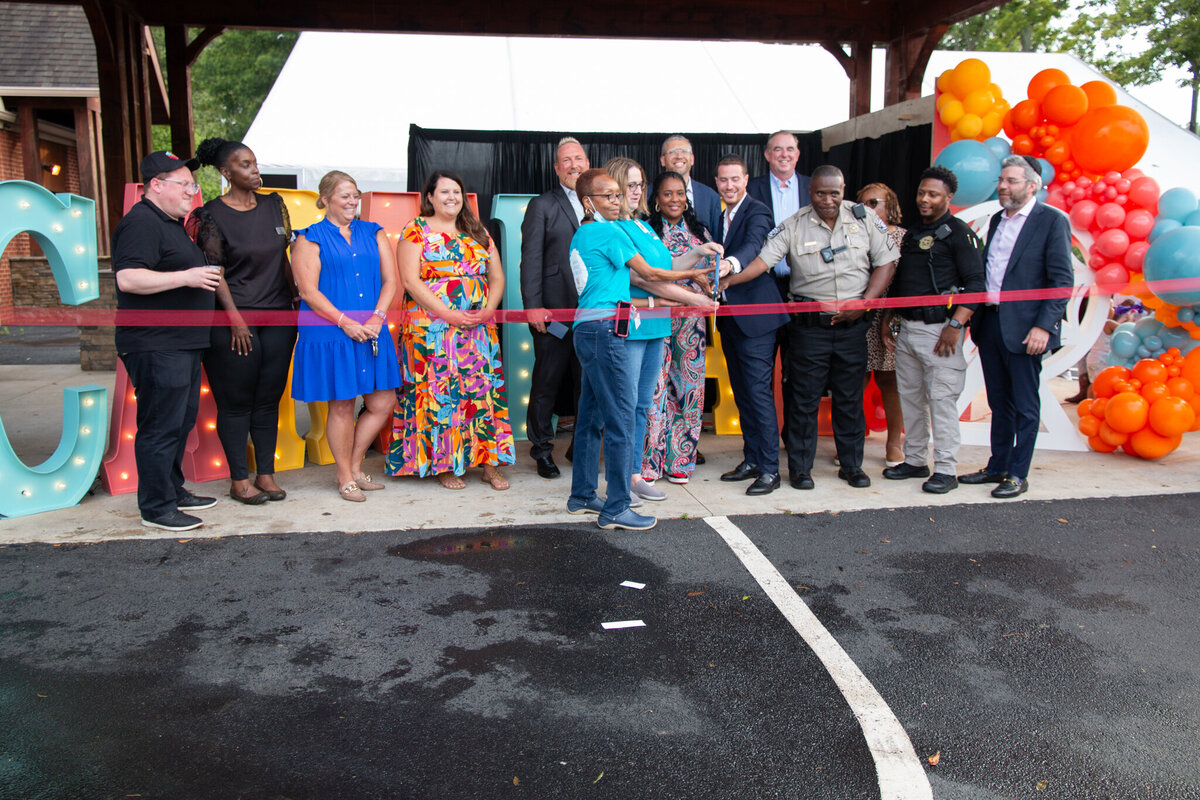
{"x": 179, "y": 90}
{"x": 31, "y": 158}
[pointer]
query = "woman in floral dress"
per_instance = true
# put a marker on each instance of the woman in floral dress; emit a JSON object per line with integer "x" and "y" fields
{"x": 451, "y": 411}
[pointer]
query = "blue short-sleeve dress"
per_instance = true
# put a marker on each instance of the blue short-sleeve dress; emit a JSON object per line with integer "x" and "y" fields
{"x": 328, "y": 364}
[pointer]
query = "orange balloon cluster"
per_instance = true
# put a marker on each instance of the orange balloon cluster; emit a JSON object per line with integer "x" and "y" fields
{"x": 968, "y": 103}
{"x": 1144, "y": 411}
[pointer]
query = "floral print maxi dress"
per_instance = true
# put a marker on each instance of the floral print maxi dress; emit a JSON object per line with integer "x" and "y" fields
{"x": 451, "y": 411}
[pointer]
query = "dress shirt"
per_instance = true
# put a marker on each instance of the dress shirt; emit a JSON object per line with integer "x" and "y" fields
{"x": 575, "y": 204}
{"x": 785, "y": 201}
{"x": 730, "y": 213}
{"x": 691, "y": 196}
{"x": 1000, "y": 250}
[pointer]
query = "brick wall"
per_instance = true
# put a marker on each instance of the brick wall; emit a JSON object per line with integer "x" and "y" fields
{"x": 10, "y": 169}
{"x": 33, "y": 286}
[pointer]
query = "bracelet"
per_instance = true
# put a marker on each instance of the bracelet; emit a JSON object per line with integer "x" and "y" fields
{"x": 651, "y": 302}
{"x": 381, "y": 315}
{"x": 340, "y": 318}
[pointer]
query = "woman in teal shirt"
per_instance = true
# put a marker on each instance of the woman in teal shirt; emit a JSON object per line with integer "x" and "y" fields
{"x": 602, "y": 255}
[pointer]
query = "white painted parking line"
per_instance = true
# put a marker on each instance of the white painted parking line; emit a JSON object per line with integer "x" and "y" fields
{"x": 901, "y": 775}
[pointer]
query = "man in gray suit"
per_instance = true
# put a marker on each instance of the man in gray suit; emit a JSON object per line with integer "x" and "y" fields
{"x": 547, "y": 283}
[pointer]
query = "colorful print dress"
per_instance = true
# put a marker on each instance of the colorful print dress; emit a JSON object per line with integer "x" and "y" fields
{"x": 451, "y": 411}
{"x": 676, "y": 412}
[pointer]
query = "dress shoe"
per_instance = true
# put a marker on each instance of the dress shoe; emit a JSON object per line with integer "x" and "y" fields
{"x": 190, "y": 502}
{"x": 906, "y": 470}
{"x": 570, "y": 454}
{"x": 1011, "y": 487}
{"x": 700, "y": 459}
{"x": 627, "y": 520}
{"x": 802, "y": 481}
{"x": 546, "y": 467}
{"x": 982, "y": 476}
{"x": 742, "y": 472}
{"x": 940, "y": 483}
{"x": 764, "y": 484}
{"x": 855, "y": 477}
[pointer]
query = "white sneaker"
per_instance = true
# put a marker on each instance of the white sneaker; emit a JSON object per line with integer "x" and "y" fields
{"x": 647, "y": 491}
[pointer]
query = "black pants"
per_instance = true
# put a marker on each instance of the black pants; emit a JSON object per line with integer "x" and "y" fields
{"x": 247, "y": 391}
{"x": 781, "y": 346}
{"x": 167, "y": 386}
{"x": 554, "y": 362}
{"x": 820, "y": 357}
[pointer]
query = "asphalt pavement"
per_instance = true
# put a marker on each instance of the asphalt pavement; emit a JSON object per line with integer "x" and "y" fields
{"x": 1038, "y": 649}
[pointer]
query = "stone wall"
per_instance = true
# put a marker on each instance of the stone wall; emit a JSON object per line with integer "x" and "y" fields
{"x": 33, "y": 287}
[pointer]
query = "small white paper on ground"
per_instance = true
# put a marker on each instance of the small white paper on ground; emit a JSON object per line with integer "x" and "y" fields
{"x": 625, "y": 623}
{"x": 633, "y": 585}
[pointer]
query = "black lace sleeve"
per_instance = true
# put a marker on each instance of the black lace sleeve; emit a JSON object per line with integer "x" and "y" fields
{"x": 208, "y": 236}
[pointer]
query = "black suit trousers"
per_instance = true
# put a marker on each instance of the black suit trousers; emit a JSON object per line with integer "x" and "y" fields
{"x": 554, "y": 362}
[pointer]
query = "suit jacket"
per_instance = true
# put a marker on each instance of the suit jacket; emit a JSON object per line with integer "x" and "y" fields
{"x": 707, "y": 205}
{"x": 749, "y": 230}
{"x": 1041, "y": 259}
{"x": 546, "y": 232}
{"x": 760, "y": 189}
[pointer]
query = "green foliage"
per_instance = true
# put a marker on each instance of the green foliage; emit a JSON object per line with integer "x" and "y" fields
{"x": 1022, "y": 25}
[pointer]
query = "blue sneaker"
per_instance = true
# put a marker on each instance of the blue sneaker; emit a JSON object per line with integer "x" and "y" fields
{"x": 593, "y": 506}
{"x": 627, "y": 519}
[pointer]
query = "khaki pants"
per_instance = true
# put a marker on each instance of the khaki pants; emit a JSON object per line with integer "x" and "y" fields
{"x": 929, "y": 386}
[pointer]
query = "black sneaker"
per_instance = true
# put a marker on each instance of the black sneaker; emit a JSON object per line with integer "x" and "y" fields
{"x": 174, "y": 521}
{"x": 940, "y": 483}
{"x": 191, "y": 502}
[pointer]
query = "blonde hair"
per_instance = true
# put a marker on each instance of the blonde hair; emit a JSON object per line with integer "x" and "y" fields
{"x": 618, "y": 168}
{"x": 330, "y": 182}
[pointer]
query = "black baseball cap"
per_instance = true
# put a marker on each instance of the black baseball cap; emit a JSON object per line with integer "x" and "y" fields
{"x": 161, "y": 161}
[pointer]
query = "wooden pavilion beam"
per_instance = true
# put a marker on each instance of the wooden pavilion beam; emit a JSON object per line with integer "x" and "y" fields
{"x": 906, "y": 61}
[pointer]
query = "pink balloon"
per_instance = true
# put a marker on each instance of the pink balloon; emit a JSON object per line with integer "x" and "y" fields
{"x": 1110, "y": 193}
{"x": 1144, "y": 193}
{"x": 1132, "y": 174}
{"x": 1135, "y": 255}
{"x": 1098, "y": 187}
{"x": 1112, "y": 177}
{"x": 1078, "y": 195}
{"x": 1083, "y": 213}
{"x": 1110, "y": 215}
{"x": 1096, "y": 261}
{"x": 1112, "y": 243}
{"x": 1112, "y": 277}
{"x": 1068, "y": 187}
{"x": 1123, "y": 185}
{"x": 1121, "y": 199}
{"x": 1083, "y": 182}
{"x": 1056, "y": 198}
{"x": 1138, "y": 223}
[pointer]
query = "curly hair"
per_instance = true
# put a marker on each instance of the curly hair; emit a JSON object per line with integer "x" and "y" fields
{"x": 689, "y": 214}
{"x": 466, "y": 221}
{"x": 215, "y": 151}
{"x": 891, "y": 203}
{"x": 939, "y": 173}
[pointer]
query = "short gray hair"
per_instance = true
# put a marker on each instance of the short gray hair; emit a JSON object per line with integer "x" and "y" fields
{"x": 564, "y": 141}
{"x": 674, "y": 137}
{"x": 1031, "y": 174}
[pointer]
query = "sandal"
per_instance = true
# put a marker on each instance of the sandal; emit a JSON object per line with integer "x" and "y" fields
{"x": 498, "y": 481}
{"x": 350, "y": 491}
{"x": 451, "y": 481}
{"x": 364, "y": 482}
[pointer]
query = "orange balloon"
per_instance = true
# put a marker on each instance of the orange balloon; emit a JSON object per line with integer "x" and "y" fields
{"x": 1181, "y": 387}
{"x": 1194, "y": 402}
{"x": 943, "y": 81}
{"x": 1099, "y": 94}
{"x": 1099, "y": 445}
{"x": 1010, "y": 129}
{"x": 942, "y": 99}
{"x": 1171, "y": 416}
{"x": 1099, "y": 405}
{"x": 1111, "y": 436}
{"x": 992, "y": 124}
{"x": 1191, "y": 367}
{"x": 1103, "y": 385}
{"x": 1148, "y": 444}
{"x": 1041, "y": 84}
{"x": 1149, "y": 370}
{"x": 979, "y": 102}
{"x": 1026, "y": 115}
{"x": 951, "y": 113}
{"x": 1110, "y": 138}
{"x": 1058, "y": 152}
{"x": 1065, "y": 104}
{"x": 1127, "y": 412}
{"x": 970, "y": 75}
{"x": 1089, "y": 426}
{"x": 1084, "y": 409}
{"x": 969, "y": 126}
{"x": 1022, "y": 145}
{"x": 1174, "y": 370}
{"x": 1155, "y": 391}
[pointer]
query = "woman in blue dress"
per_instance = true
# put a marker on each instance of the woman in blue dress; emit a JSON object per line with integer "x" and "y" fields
{"x": 346, "y": 275}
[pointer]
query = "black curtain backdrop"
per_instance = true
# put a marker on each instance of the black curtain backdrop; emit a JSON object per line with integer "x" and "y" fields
{"x": 521, "y": 162}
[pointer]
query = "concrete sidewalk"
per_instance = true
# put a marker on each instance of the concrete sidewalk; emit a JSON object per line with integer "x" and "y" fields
{"x": 31, "y": 408}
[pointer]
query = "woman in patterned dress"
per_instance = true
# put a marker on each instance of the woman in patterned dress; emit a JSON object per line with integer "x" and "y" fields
{"x": 673, "y": 422}
{"x": 880, "y": 360}
{"x": 451, "y": 411}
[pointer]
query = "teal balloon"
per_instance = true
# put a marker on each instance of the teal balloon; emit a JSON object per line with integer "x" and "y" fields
{"x": 1147, "y": 326}
{"x": 1000, "y": 148}
{"x": 1161, "y": 227}
{"x": 1185, "y": 314}
{"x": 1175, "y": 337}
{"x": 1124, "y": 344}
{"x": 1048, "y": 172}
{"x": 1143, "y": 352}
{"x": 1176, "y": 204}
{"x": 1193, "y": 219}
{"x": 1153, "y": 343}
{"x": 1175, "y": 256}
{"x": 975, "y": 166}
{"x": 1125, "y": 326}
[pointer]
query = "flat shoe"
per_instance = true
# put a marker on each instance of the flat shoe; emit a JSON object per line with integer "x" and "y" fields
{"x": 256, "y": 499}
{"x": 274, "y": 495}
{"x": 364, "y": 482}
{"x": 350, "y": 491}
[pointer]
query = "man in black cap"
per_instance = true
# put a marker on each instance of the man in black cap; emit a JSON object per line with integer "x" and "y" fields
{"x": 160, "y": 270}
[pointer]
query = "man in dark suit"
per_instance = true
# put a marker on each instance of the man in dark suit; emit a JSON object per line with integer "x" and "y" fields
{"x": 677, "y": 155}
{"x": 547, "y": 283}
{"x": 1028, "y": 247}
{"x": 784, "y": 192}
{"x": 749, "y": 339}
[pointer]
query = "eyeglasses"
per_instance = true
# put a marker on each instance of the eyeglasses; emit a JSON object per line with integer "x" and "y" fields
{"x": 612, "y": 198}
{"x": 1015, "y": 181}
{"x": 872, "y": 202}
{"x": 190, "y": 188}
{"x": 635, "y": 186}
{"x": 679, "y": 151}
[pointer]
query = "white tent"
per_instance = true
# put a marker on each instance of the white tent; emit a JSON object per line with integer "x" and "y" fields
{"x": 345, "y": 100}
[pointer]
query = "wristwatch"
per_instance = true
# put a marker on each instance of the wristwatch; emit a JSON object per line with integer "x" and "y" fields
{"x": 953, "y": 323}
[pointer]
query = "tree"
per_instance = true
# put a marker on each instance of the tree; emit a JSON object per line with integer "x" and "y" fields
{"x": 1022, "y": 25}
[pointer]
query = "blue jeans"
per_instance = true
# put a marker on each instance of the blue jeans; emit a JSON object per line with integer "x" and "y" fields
{"x": 645, "y": 365}
{"x": 606, "y": 401}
